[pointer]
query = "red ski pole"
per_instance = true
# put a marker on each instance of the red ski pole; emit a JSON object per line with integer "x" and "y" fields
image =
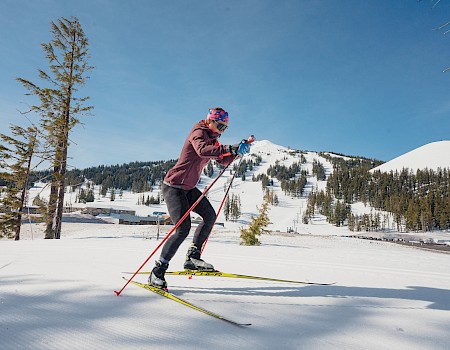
{"x": 249, "y": 140}
{"x": 174, "y": 228}
{"x": 221, "y": 205}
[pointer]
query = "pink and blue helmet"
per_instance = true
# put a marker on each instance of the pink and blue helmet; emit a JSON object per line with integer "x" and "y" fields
{"x": 217, "y": 114}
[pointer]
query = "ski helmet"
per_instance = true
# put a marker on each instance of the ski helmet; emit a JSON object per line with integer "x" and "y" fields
{"x": 218, "y": 114}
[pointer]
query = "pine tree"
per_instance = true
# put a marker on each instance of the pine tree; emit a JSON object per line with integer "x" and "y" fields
{"x": 276, "y": 201}
{"x": 227, "y": 208}
{"x": 67, "y": 55}
{"x": 257, "y": 227}
{"x": 16, "y": 154}
{"x": 90, "y": 195}
{"x": 82, "y": 196}
{"x": 235, "y": 207}
{"x": 209, "y": 169}
{"x": 103, "y": 190}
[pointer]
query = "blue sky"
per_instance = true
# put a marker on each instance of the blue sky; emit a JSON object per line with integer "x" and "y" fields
{"x": 349, "y": 76}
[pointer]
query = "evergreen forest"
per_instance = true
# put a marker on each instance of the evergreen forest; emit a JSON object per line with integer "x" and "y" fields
{"x": 416, "y": 201}
{"x": 135, "y": 176}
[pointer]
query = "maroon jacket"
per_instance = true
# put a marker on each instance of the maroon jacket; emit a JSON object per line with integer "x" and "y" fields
{"x": 200, "y": 146}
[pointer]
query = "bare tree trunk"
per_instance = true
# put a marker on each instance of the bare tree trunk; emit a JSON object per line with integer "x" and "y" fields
{"x": 22, "y": 200}
{"x": 51, "y": 210}
{"x": 61, "y": 186}
{"x": 19, "y": 215}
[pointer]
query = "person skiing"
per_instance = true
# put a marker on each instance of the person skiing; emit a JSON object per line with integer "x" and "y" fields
{"x": 180, "y": 192}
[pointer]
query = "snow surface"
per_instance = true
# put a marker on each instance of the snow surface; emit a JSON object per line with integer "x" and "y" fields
{"x": 432, "y": 156}
{"x": 58, "y": 294}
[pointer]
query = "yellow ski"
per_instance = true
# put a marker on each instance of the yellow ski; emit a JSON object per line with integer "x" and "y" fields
{"x": 233, "y": 275}
{"x": 173, "y": 297}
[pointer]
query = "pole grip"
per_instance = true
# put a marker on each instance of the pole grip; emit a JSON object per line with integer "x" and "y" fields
{"x": 251, "y": 139}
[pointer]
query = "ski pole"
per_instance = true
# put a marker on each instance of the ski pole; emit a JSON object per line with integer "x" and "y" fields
{"x": 249, "y": 140}
{"x": 174, "y": 228}
{"x": 221, "y": 205}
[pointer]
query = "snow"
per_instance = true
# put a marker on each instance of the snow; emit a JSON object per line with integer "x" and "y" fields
{"x": 58, "y": 294}
{"x": 432, "y": 156}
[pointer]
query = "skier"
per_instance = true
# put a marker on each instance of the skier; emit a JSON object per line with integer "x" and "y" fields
{"x": 180, "y": 191}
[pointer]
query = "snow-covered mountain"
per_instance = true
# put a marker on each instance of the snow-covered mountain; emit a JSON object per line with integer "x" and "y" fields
{"x": 287, "y": 215}
{"x": 432, "y": 156}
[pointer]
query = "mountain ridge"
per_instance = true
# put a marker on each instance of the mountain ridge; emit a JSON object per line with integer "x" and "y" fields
{"x": 432, "y": 155}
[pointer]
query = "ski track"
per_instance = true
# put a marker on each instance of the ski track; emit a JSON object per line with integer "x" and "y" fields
{"x": 59, "y": 295}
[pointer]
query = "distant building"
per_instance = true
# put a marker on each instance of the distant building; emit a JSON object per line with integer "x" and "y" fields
{"x": 107, "y": 210}
{"x": 199, "y": 220}
{"x": 129, "y": 219}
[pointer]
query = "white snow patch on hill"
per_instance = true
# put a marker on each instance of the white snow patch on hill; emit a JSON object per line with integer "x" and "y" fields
{"x": 432, "y": 156}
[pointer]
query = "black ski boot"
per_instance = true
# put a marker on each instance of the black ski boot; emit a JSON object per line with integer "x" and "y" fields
{"x": 156, "y": 278}
{"x": 193, "y": 261}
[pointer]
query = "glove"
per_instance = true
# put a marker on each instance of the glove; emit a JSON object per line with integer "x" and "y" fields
{"x": 240, "y": 149}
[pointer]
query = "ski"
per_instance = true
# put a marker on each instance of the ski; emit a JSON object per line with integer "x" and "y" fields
{"x": 234, "y": 275}
{"x": 173, "y": 297}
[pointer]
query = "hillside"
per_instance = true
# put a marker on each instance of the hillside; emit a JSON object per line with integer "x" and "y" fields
{"x": 287, "y": 215}
{"x": 432, "y": 156}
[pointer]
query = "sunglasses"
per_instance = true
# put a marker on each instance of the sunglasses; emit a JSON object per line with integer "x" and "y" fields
{"x": 220, "y": 126}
